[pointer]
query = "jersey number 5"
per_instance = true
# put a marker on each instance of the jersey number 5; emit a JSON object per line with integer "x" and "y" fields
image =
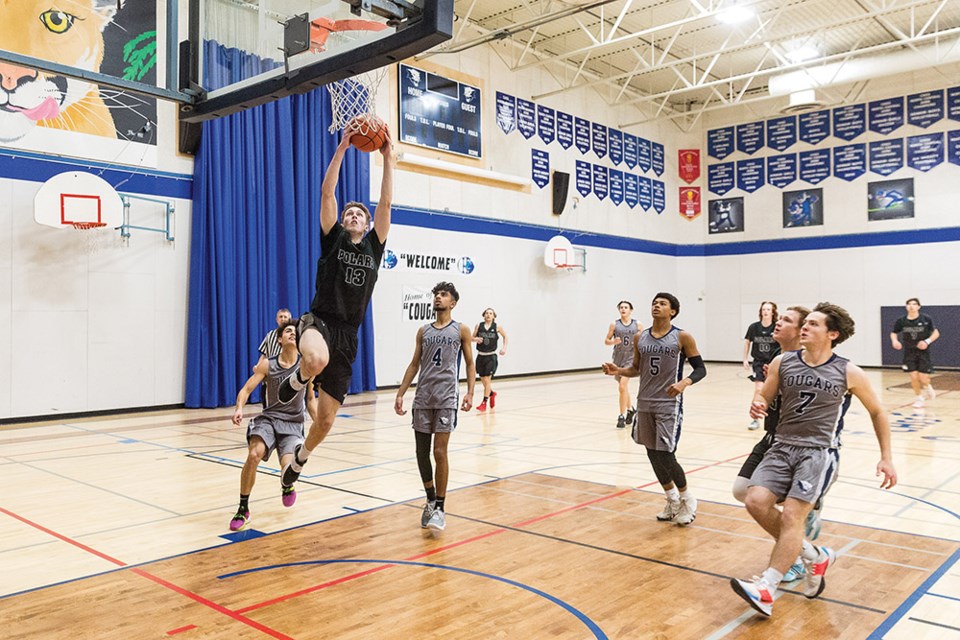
{"x": 654, "y": 365}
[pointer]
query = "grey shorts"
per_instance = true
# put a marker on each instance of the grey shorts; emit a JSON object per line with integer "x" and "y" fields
{"x": 659, "y": 431}
{"x": 434, "y": 420}
{"x": 276, "y": 434}
{"x": 622, "y": 359}
{"x": 803, "y": 473}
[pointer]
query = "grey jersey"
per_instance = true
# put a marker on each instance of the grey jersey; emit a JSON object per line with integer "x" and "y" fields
{"x": 623, "y": 349}
{"x": 661, "y": 365}
{"x": 438, "y": 386}
{"x": 291, "y": 411}
{"x": 811, "y": 401}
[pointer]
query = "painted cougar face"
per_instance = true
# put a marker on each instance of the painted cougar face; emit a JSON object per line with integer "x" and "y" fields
{"x": 68, "y": 32}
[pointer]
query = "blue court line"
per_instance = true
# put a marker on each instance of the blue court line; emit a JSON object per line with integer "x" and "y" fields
{"x": 945, "y": 597}
{"x": 590, "y": 624}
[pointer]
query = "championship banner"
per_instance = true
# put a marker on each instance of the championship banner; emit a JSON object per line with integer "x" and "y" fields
{"x": 850, "y": 161}
{"x": 953, "y": 103}
{"x": 630, "y": 150}
{"x": 750, "y": 175}
{"x": 720, "y": 142}
{"x": 886, "y": 116}
{"x": 953, "y": 146}
{"x": 506, "y": 112}
{"x": 616, "y": 186}
{"x": 689, "y": 202}
{"x": 581, "y": 134}
{"x": 584, "y": 177}
{"x": 417, "y": 305}
{"x": 815, "y": 165}
{"x": 814, "y": 127}
{"x": 849, "y": 122}
{"x": 616, "y": 146}
{"x": 643, "y": 154}
{"x": 526, "y": 118}
{"x": 631, "y": 189}
{"x": 886, "y": 156}
{"x": 598, "y": 136}
{"x": 720, "y": 177}
{"x": 781, "y": 170}
{"x": 750, "y": 137}
{"x": 924, "y": 152}
{"x": 564, "y": 129}
{"x": 657, "y": 158}
{"x": 659, "y": 196}
{"x": 540, "y": 167}
{"x": 924, "y": 109}
{"x": 688, "y": 164}
{"x": 645, "y": 194}
{"x": 782, "y": 133}
{"x": 546, "y": 124}
{"x": 600, "y": 181}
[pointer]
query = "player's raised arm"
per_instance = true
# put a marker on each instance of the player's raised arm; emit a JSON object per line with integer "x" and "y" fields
{"x": 381, "y": 217}
{"x": 328, "y": 190}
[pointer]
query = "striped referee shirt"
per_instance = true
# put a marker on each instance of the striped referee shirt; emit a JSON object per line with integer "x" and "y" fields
{"x": 270, "y": 347}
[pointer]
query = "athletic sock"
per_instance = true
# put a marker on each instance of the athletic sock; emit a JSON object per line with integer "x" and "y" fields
{"x": 809, "y": 552}
{"x": 672, "y": 494}
{"x": 440, "y": 500}
{"x": 772, "y": 577}
{"x": 302, "y": 454}
{"x": 431, "y": 494}
{"x": 243, "y": 502}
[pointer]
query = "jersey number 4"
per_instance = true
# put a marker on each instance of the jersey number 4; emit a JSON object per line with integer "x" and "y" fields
{"x": 437, "y": 357}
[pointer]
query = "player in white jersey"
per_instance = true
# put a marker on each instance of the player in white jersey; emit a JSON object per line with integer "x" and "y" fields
{"x": 620, "y": 337}
{"x": 812, "y": 384}
{"x": 440, "y": 344}
{"x": 659, "y": 354}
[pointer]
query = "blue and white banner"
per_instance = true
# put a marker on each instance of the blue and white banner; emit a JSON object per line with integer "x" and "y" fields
{"x": 782, "y": 170}
{"x": 750, "y": 174}
{"x": 850, "y": 161}
{"x": 564, "y": 129}
{"x": 815, "y": 165}
{"x": 814, "y": 127}
{"x": 953, "y": 103}
{"x": 720, "y": 177}
{"x": 546, "y": 124}
{"x": 540, "y": 167}
{"x": 526, "y": 118}
{"x": 645, "y": 195}
{"x": 924, "y": 109}
{"x": 584, "y": 176}
{"x": 886, "y": 156}
{"x": 886, "y": 115}
{"x": 506, "y": 112}
{"x": 630, "y": 150}
{"x": 659, "y": 196}
{"x": 782, "y": 133}
{"x": 616, "y": 186}
{"x": 924, "y": 152}
{"x": 720, "y": 142}
{"x": 953, "y": 146}
{"x": 750, "y": 137}
{"x": 600, "y": 181}
{"x": 849, "y": 122}
{"x": 631, "y": 189}
{"x": 598, "y": 135}
{"x": 581, "y": 134}
{"x": 616, "y": 146}
{"x": 657, "y": 158}
{"x": 643, "y": 154}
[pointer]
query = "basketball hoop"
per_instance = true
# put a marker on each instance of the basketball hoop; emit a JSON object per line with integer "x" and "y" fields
{"x": 356, "y": 96}
{"x": 86, "y": 226}
{"x": 96, "y": 239}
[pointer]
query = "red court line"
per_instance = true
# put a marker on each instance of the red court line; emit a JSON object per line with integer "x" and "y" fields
{"x": 453, "y": 545}
{"x": 79, "y": 545}
{"x": 181, "y": 629}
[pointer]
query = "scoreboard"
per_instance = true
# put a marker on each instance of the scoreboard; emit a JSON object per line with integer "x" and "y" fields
{"x": 439, "y": 113}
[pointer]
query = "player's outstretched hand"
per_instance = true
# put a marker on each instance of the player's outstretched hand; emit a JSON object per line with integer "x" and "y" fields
{"x": 885, "y": 467}
{"x": 758, "y": 410}
{"x": 610, "y": 369}
{"x": 387, "y": 148}
{"x": 398, "y": 406}
{"x": 238, "y": 417}
{"x": 503, "y": 352}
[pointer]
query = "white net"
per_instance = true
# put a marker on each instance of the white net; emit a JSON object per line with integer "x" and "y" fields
{"x": 356, "y": 96}
{"x": 97, "y": 237}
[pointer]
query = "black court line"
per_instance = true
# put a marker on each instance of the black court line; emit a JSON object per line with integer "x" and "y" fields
{"x": 934, "y": 624}
{"x": 664, "y": 563}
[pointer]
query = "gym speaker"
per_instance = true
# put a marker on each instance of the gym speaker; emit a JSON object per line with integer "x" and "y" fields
{"x": 561, "y": 182}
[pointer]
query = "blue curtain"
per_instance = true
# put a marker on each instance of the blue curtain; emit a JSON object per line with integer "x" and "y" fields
{"x": 256, "y": 233}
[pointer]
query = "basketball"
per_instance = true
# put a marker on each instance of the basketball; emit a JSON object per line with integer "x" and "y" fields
{"x": 371, "y": 133}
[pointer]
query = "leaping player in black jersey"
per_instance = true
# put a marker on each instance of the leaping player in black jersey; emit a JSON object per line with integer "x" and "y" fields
{"x": 346, "y": 274}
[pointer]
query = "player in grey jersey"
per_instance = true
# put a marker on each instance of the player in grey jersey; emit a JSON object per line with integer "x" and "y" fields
{"x": 658, "y": 357}
{"x": 620, "y": 336}
{"x": 279, "y": 426}
{"x": 439, "y": 347}
{"x": 812, "y": 384}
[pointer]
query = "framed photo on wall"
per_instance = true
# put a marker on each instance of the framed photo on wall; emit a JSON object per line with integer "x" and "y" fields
{"x": 725, "y": 215}
{"x": 890, "y": 199}
{"x": 803, "y": 208}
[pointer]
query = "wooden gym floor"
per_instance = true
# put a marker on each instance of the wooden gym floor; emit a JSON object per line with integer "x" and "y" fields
{"x": 117, "y": 527}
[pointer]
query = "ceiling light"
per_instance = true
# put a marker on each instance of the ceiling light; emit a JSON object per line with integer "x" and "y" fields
{"x": 803, "y": 53}
{"x": 734, "y": 13}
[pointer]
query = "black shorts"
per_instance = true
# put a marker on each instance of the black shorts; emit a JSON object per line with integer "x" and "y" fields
{"x": 917, "y": 360}
{"x": 746, "y": 471}
{"x": 486, "y": 365}
{"x": 758, "y": 374}
{"x": 342, "y": 344}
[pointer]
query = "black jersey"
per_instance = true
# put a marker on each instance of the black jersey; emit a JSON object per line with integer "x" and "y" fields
{"x": 346, "y": 274}
{"x": 913, "y": 331}
{"x": 763, "y": 348}
{"x": 491, "y": 339}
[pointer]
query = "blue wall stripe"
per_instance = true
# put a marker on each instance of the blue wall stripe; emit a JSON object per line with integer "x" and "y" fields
{"x": 35, "y": 167}
{"x": 448, "y": 221}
